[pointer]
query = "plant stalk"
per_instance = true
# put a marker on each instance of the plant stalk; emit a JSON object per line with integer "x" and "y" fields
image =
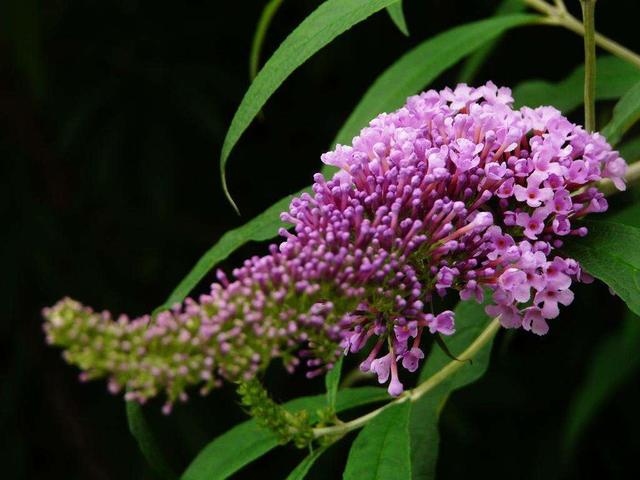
{"x": 558, "y": 15}
{"x": 413, "y": 395}
{"x": 588, "y": 20}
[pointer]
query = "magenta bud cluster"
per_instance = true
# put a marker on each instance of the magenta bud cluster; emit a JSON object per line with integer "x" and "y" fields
{"x": 454, "y": 192}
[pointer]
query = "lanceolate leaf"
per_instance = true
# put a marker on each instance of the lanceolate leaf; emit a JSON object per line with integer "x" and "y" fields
{"x": 260, "y": 228}
{"x": 266, "y": 16}
{"x": 615, "y": 77}
{"x": 625, "y": 114}
{"x": 303, "y": 467}
{"x": 424, "y": 63}
{"x": 246, "y": 442}
{"x": 381, "y": 449}
{"x": 147, "y": 443}
{"x": 266, "y": 225}
{"x": 332, "y": 381}
{"x": 615, "y": 361}
{"x": 610, "y": 253}
{"x": 470, "y": 322}
{"x": 329, "y": 20}
{"x": 397, "y": 16}
{"x": 474, "y": 62}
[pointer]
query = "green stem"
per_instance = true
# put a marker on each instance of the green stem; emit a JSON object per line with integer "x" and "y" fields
{"x": 558, "y": 15}
{"x": 413, "y": 395}
{"x": 607, "y": 187}
{"x": 588, "y": 20}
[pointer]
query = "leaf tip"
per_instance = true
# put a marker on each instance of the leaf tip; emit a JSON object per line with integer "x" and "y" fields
{"x": 225, "y": 188}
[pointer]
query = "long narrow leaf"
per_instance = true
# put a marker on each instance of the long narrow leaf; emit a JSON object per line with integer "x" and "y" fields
{"x": 615, "y": 78}
{"x": 266, "y": 16}
{"x": 260, "y": 228}
{"x": 147, "y": 443}
{"x": 381, "y": 449}
{"x": 303, "y": 467}
{"x": 397, "y": 17}
{"x": 247, "y": 442}
{"x": 332, "y": 381}
{"x": 422, "y": 65}
{"x": 625, "y": 114}
{"x": 328, "y": 21}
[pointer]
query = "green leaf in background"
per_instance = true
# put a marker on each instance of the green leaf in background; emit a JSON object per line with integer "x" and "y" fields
{"x": 610, "y": 253}
{"x": 147, "y": 442}
{"x": 423, "y": 64}
{"x": 303, "y": 467}
{"x": 471, "y": 320}
{"x": 613, "y": 364}
{"x": 475, "y": 62}
{"x": 266, "y": 225}
{"x": 615, "y": 78}
{"x": 332, "y": 382}
{"x": 269, "y": 11}
{"x": 381, "y": 449}
{"x": 625, "y": 114}
{"x": 231, "y": 451}
{"x": 247, "y": 442}
{"x": 260, "y": 228}
{"x": 630, "y": 150}
{"x": 330, "y": 19}
{"x": 630, "y": 215}
{"x": 397, "y": 17}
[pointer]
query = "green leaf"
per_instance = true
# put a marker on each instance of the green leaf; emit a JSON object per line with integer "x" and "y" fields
{"x": 397, "y": 17}
{"x": 473, "y": 64}
{"x": 615, "y": 78}
{"x": 147, "y": 442}
{"x": 423, "y": 64}
{"x": 471, "y": 320}
{"x": 625, "y": 114}
{"x": 269, "y": 11}
{"x": 439, "y": 341}
{"x": 246, "y": 442}
{"x": 325, "y": 23}
{"x": 610, "y": 253}
{"x": 381, "y": 449}
{"x": 332, "y": 382}
{"x": 260, "y": 228}
{"x": 303, "y": 467}
{"x": 613, "y": 364}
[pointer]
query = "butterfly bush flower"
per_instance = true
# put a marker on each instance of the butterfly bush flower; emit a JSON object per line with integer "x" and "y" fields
{"x": 454, "y": 192}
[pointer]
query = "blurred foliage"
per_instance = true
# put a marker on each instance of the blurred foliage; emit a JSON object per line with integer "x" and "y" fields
{"x": 112, "y": 115}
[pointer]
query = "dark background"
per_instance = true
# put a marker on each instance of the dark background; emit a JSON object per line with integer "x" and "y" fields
{"x": 112, "y": 116}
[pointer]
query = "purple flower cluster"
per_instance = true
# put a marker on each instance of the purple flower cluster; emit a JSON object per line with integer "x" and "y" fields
{"x": 455, "y": 191}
